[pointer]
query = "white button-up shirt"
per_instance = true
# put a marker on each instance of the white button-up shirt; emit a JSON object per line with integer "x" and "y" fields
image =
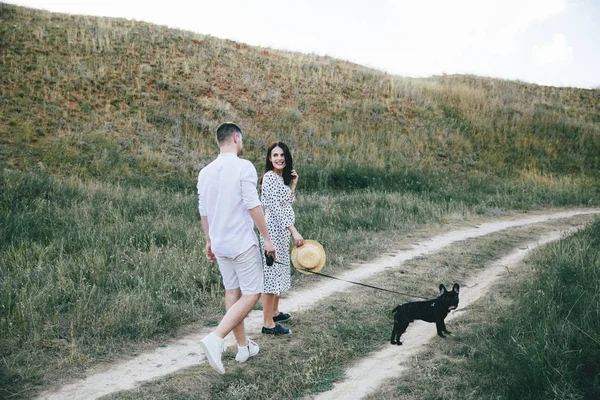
{"x": 226, "y": 191}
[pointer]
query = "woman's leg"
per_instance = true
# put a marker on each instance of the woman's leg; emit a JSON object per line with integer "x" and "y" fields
{"x": 275, "y": 309}
{"x": 268, "y": 302}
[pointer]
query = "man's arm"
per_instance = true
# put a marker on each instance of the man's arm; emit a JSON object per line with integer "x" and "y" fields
{"x": 258, "y": 217}
{"x": 209, "y": 254}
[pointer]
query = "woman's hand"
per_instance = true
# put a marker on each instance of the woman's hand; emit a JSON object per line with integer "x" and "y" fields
{"x": 298, "y": 239}
{"x": 294, "y": 180}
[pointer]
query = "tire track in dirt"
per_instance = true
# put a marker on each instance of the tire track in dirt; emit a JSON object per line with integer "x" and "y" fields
{"x": 392, "y": 361}
{"x": 185, "y": 352}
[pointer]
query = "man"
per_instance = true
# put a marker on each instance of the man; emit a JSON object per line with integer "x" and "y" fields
{"x": 229, "y": 208}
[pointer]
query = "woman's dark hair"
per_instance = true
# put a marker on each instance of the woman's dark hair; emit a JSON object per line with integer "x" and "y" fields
{"x": 287, "y": 170}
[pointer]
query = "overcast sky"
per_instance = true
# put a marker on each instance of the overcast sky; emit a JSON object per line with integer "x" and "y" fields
{"x": 549, "y": 42}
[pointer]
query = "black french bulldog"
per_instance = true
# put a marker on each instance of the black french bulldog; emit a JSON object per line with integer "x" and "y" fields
{"x": 433, "y": 310}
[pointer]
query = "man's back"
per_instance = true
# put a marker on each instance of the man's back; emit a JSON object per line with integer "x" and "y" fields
{"x": 226, "y": 191}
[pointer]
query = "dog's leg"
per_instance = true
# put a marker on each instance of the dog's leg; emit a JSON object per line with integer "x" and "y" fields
{"x": 439, "y": 324}
{"x": 402, "y": 325}
{"x": 444, "y": 328}
{"x": 394, "y": 331}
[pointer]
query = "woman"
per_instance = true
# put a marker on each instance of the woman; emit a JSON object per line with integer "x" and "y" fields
{"x": 278, "y": 185}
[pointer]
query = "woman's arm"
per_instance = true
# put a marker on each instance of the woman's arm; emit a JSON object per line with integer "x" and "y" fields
{"x": 297, "y": 237}
{"x": 293, "y": 184}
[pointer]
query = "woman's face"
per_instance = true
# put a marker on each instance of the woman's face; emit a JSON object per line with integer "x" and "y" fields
{"x": 277, "y": 158}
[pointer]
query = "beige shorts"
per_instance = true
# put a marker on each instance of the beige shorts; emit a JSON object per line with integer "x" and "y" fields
{"x": 243, "y": 271}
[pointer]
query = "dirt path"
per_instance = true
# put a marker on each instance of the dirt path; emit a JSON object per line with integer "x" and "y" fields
{"x": 392, "y": 361}
{"x": 185, "y": 352}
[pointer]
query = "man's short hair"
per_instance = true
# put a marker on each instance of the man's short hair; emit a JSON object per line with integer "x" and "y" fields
{"x": 226, "y": 130}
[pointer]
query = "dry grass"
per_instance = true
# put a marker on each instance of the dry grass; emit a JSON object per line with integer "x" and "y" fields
{"x": 104, "y": 124}
{"x": 152, "y": 97}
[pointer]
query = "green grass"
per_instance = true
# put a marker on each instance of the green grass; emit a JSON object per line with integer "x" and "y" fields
{"x": 105, "y": 123}
{"x": 549, "y": 339}
{"x": 347, "y": 327}
{"x": 444, "y": 186}
{"x": 94, "y": 266}
{"x": 536, "y": 337}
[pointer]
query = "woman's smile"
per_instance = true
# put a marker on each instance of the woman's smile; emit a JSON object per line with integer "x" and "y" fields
{"x": 278, "y": 158}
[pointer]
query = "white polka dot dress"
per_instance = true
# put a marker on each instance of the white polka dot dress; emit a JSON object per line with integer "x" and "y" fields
{"x": 279, "y": 214}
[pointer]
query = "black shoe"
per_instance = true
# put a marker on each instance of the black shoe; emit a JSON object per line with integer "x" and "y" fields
{"x": 281, "y": 317}
{"x": 277, "y": 330}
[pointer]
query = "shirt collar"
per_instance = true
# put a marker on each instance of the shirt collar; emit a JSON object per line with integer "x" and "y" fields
{"x": 227, "y": 155}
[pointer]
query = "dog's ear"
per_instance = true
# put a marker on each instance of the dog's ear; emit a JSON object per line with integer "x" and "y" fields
{"x": 455, "y": 288}
{"x": 442, "y": 288}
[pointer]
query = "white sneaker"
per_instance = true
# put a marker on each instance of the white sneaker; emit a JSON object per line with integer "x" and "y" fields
{"x": 213, "y": 346}
{"x": 245, "y": 352}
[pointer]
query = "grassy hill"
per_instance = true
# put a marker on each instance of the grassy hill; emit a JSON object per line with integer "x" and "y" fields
{"x": 113, "y": 98}
{"x": 105, "y": 123}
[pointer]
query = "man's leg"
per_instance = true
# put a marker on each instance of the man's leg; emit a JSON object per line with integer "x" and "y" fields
{"x": 231, "y": 297}
{"x": 212, "y": 345}
{"x": 238, "y": 306}
{"x": 243, "y": 274}
{"x": 239, "y": 301}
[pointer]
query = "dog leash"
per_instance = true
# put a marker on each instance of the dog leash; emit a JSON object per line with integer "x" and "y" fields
{"x": 364, "y": 284}
{"x": 271, "y": 261}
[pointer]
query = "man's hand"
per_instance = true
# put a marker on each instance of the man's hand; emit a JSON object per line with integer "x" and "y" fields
{"x": 270, "y": 249}
{"x": 258, "y": 217}
{"x": 209, "y": 254}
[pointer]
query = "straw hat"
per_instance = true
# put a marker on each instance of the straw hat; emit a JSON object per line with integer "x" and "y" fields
{"x": 309, "y": 258}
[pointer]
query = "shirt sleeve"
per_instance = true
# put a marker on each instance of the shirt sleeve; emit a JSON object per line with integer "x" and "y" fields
{"x": 274, "y": 199}
{"x": 201, "y": 202}
{"x": 249, "y": 180}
